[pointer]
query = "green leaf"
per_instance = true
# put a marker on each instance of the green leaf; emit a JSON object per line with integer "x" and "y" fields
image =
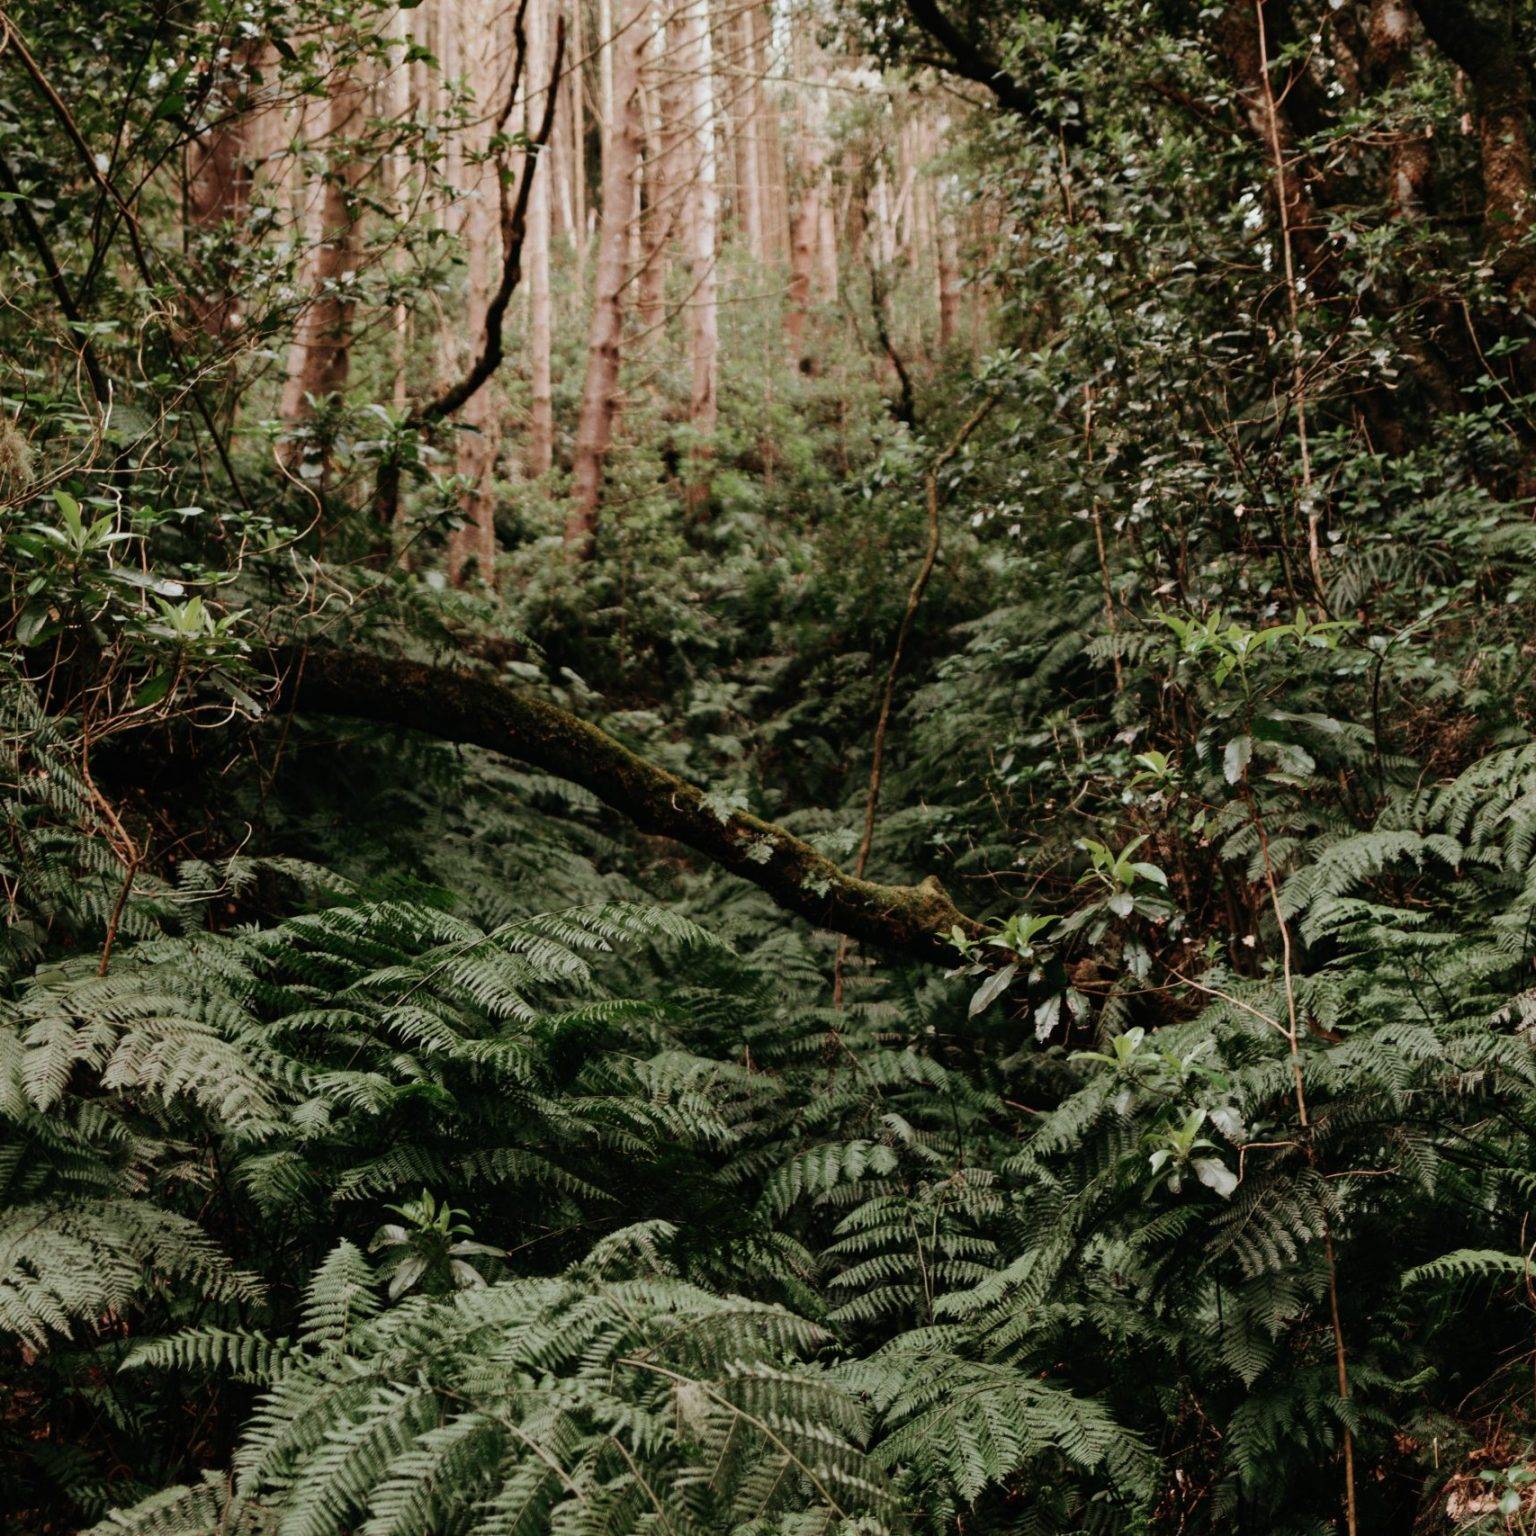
{"x": 992, "y": 989}
{"x": 1235, "y": 759}
{"x": 155, "y": 689}
{"x": 33, "y": 620}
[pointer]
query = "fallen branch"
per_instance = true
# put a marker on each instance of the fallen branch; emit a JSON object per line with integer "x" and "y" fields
{"x": 913, "y": 919}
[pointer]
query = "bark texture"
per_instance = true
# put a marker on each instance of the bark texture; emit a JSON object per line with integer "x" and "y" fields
{"x": 541, "y": 410}
{"x": 605, "y": 339}
{"x": 1481, "y": 38}
{"x": 321, "y": 356}
{"x": 703, "y": 239}
{"x": 472, "y": 545}
{"x": 1389, "y": 44}
{"x": 914, "y": 919}
{"x": 220, "y": 177}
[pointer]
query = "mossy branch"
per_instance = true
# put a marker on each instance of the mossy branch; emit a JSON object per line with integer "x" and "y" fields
{"x": 457, "y": 706}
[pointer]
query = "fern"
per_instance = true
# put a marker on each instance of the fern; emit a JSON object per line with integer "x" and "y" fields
{"x": 550, "y": 1402}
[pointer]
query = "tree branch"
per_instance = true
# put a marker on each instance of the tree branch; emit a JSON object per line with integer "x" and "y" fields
{"x": 39, "y": 243}
{"x": 514, "y": 226}
{"x": 964, "y": 57}
{"x": 913, "y": 919}
{"x": 514, "y": 233}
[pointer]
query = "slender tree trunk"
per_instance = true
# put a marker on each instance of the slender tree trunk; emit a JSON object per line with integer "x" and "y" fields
{"x": 946, "y": 261}
{"x": 770, "y": 143}
{"x": 478, "y": 47}
{"x": 605, "y": 339}
{"x": 659, "y": 190}
{"x": 1389, "y": 39}
{"x": 805, "y": 222}
{"x": 607, "y": 42}
{"x": 541, "y": 413}
{"x": 578, "y": 151}
{"x": 703, "y": 228}
{"x": 748, "y": 201}
{"x": 396, "y": 110}
{"x": 825, "y": 287}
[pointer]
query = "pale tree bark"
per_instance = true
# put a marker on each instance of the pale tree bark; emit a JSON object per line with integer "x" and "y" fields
{"x": 906, "y": 216}
{"x": 513, "y": 194}
{"x": 605, "y": 338}
{"x": 979, "y": 239}
{"x": 607, "y": 40}
{"x": 747, "y": 201}
{"x": 561, "y": 209}
{"x": 885, "y": 225}
{"x": 482, "y": 56}
{"x": 320, "y": 357}
{"x": 696, "y": 56}
{"x": 948, "y": 278}
{"x": 637, "y": 200}
{"x": 768, "y": 136}
{"x": 576, "y": 157}
{"x": 659, "y": 180}
{"x": 541, "y": 413}
{"x": 948, "y": 261}
{"x": 920, "y": 231}
{"x": 825, "y": 271}
{"x": 946, "y": 245}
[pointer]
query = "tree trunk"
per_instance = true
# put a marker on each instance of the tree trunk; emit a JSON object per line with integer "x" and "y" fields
{"x": 220, "y": 177}
{"x": 703, "y": 226}
{"x": 770, "y": 144}
{"x": 947, "y": 261}
{"x": 608, "y": 40}
{"x": 577, "y": 146}
{"x": 1481, "y": 38}
{"x": 320, "y": 358}
{"x": 1389, "y": 41}
{"x": 541, "y": 413}
{"x": 605, "y": 339}
{"x": 747, "y": 202}
{"x": 395, "y": 108}
{"x": 659, "y": 190}
{"x": 805, "y": 222}
{"x": 472, "y": 546}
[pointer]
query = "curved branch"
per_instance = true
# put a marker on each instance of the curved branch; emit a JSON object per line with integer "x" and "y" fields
{"x": 514, "y": 223}
{"x": 514, "y": 232}
{"x": 964, "y": 57}
{"x": 914, "y": 919}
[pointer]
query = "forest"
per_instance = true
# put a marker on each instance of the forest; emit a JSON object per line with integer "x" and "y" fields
{"x": 769, "y": 767}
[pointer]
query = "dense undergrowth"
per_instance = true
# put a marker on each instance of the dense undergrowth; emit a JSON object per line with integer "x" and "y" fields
{"x": 397, "y": 1144}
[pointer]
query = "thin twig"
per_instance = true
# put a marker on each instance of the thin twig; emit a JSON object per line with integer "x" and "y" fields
{"x": 1293, "y": 301}
{"x": 914, "y": 598}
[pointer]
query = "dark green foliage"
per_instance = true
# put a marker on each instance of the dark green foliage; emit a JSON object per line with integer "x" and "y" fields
{"x": 392, "y": 1143}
